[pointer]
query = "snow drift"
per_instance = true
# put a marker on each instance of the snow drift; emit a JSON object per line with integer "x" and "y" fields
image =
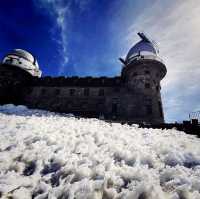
{"x": 48, "y": 155}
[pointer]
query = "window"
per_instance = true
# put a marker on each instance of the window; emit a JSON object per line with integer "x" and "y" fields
{"x": 100, "y": 106}
{"x": 69, "y": 105}
{"x": 101, "y": 92}
{"x": 148, "y": 109}
{"x": 157, "y": 88}
{"x": 3, "y": 73}
{"x": 84, "y": 105}
{"x": 135, "y": 74}
{"x": 57, "y": 91}
{"x": 43, "y": 91}
{"x": 86, "y": 92}
{"x": 147, "y": 85}
{"x": 114, "y": 108}
{"x": 160, "y": 109}
{"x": 72, "y": 92}
{"x": 147, "y": 72}
{"x": 29, "y": 90}
{"x": 116, "y": 89}
{"x": 148, "y": 101}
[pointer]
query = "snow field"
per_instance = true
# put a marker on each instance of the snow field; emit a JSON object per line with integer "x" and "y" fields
{"x": 48, "y": 155}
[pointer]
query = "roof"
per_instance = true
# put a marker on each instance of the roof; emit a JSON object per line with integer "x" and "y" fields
{"x": 24, "y": 60}
{"x": 144, "y": 45}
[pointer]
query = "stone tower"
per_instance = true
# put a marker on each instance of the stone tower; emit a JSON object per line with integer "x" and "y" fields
{"x": 142, "y": 72}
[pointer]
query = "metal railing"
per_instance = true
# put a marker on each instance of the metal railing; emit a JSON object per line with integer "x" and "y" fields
{"x": 141, "y": 55}
{"x": 195, "y": 115}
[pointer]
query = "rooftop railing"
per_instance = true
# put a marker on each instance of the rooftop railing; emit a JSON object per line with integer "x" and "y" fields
{"x": 144, "y": 55}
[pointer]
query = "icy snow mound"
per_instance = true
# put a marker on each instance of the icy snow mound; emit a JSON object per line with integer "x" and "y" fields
{"x": 47, "y": 155}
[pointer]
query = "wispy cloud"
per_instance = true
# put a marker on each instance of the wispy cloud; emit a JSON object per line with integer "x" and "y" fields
{"x": 175, "y": 26}
{"x": 60, "y": 10}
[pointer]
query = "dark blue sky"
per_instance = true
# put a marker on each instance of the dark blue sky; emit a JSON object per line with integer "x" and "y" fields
{"x": 90, "y": 45}
{"x": 86, "y": 38}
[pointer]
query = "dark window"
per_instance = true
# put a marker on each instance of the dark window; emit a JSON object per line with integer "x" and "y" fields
{"x": 69, "y": 105}
{"x": 100, "y": 107}
{"x": 148, "y": 109}
{"x": 29, "y": 90}
{"x": 160, "y": 109}
{"x": 57, "y": 91}
{"x": 157, "y": 88}
{"x": 147, "y": 85}
{"x": 84, "y": 105}
{"x": 101, "y": 92}
{"x": 148, "y": 101}
{"x": 3, "y": 73}
{"x": 114, "y": 109}
{"x": 86, "y": 92}
{"x": 147, "y": 72}
{"x": 43, "y": 91}
{"x": 116, "y": 89}
{"x": 72, "y": 91}
{"x": 135, "y": 74}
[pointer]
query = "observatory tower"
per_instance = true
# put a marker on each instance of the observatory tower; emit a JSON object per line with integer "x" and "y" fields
{"x": 142, "y": 72}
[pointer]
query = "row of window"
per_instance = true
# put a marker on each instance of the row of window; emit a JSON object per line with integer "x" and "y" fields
{"x": 83, "y": 105}
{"x": 86, "y": 91}
{"x": 114, "y": 110}
{"x": 146, "y": 72}
{"x": 72, "y": 92}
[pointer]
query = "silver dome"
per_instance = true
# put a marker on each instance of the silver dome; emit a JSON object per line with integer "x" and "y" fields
{"x": 144, "y": 46}
{"x": 141, "y": 46}
{"x": 23, "y": 60}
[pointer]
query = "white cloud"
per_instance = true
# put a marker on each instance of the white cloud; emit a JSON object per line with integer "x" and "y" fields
{"x": 175, "y": 26}
{"x": 61, "y": 11}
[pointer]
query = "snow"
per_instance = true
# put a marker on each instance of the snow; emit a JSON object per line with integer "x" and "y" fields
{"x": 49, "y": 155}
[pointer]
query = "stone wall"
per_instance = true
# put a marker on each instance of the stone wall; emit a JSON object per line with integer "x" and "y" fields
{"x": 124, "y": 99}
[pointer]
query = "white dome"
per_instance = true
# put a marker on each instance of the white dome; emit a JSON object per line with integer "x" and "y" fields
{"x": 23, "y": 60}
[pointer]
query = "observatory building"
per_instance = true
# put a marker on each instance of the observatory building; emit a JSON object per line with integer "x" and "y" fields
{"x": 133, "y": 97}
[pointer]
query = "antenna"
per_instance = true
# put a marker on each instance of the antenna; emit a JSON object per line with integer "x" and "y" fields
{"x": 144, "y": 37}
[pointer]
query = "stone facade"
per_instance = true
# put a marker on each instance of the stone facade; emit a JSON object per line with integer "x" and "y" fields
{"x": 133, "y": 97}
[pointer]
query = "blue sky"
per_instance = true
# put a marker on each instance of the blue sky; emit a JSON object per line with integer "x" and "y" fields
{"x": 86, "y": 37}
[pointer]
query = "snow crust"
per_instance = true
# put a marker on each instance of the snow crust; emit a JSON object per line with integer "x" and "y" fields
{"x": 48, "y": 155}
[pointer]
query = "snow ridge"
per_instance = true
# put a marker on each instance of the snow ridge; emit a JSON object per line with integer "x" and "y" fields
{"x": 49, "y": 155}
